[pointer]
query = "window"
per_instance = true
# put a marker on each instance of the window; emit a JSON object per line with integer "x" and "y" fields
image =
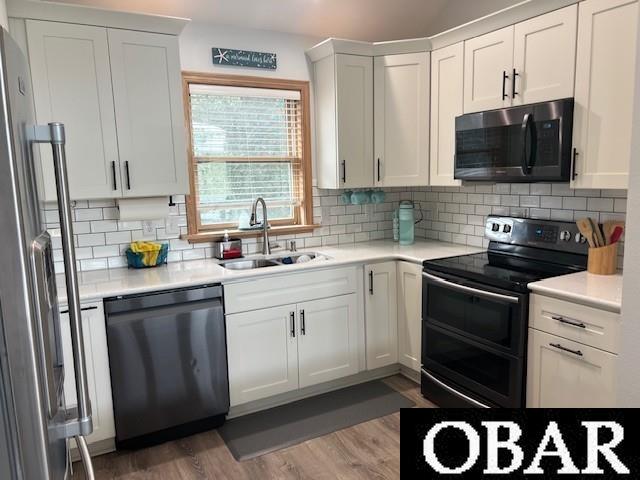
{"x": 249, "y": 138}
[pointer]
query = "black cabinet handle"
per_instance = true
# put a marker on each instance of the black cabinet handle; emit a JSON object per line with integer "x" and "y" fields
{"x": 574, "y": 167}
{"x": 378, "y": 169}
{"x": 565, "y": 349}
{"x": 568, "y": 322}
{"x": 303, "y": 326}
{"x": 513, "y": 84}
{"x": 126, "y": 169}
{"x": 344, "y": 171}
{"x": 371, "y": 282}
{"x": 504, "y": 84}
{"x": 292, "y": 318}
{"x": 113, "y": 173}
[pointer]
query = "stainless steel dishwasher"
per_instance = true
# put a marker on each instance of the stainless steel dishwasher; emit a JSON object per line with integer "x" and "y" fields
{"x": 168, "y": 360}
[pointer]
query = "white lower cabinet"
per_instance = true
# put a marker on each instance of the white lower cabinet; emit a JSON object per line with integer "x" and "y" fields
{"x": 307, "y": 341}
{"x": 97, "y": 363}
{"x": 563, "y": 373}
{"x": 381, "y": 315}
{"x": 572, "y": 354}
{"x": 327, "y": 341}
{"x": 262, "y": 352}
{"x": 409, "y": 314}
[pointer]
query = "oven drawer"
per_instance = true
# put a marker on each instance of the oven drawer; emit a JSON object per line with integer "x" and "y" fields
{"x": 579, "y": 323}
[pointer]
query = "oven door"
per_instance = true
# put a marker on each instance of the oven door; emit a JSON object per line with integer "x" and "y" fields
{"x": 519, "y": 144}
{"x": 489, "y": 316}
{"x": 473, "y": 342}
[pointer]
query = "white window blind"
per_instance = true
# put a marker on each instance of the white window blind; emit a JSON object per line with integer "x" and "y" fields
{"x": 247, "y": 143}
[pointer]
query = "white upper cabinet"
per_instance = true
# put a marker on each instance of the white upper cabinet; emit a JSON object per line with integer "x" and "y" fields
{"x": 529, "y": 62}
{"x": 381, "y": 317}
{"x": 72, "y": 84}
{"x": 401, "y": 119}
{"x": 544, "y": 57}
{"x": 605, "y": 84}
{"x": 447, "y": 67}
{"x": 344, "y": 121}
{"x": 145, "y": 70}
{"x": 119, "y": 94}
{"x": 488, "y": 65}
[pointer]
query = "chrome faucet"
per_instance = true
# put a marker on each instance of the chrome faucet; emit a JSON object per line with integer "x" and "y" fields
{"x": 266, "y": 246}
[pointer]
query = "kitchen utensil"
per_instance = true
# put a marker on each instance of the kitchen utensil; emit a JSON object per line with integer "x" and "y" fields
{"x": 586, "y": 229}
{"x": 598, "y": 238}
{"x": 615, "y": 236}
{"x": 609, "y": 226}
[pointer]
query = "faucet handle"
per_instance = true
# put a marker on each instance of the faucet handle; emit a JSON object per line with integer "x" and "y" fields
{"x": 252, "y": 220}
{"x": 292, "y": 246}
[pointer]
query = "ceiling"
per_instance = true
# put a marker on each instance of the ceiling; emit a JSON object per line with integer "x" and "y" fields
{"x": 371, "y": 20}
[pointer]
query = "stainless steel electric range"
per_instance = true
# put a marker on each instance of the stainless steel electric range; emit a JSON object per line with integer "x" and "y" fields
{"x": 476, "y": 308}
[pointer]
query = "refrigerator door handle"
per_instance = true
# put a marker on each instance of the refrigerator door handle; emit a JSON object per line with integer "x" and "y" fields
{"x": 82, "y": 425}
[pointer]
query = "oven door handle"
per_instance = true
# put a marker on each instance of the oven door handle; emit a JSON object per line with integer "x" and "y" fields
{"x": 454, "y": 391}
{"x": 471, "y": 290}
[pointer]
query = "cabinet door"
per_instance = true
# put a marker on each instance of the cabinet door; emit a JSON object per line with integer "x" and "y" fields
{"x": 97, "y": 363}
{"x": 401, "y": 119}
{"x": 262, "y": 349}
{"x": 488, "y": 65}
{"x": 544, "y": 57}
{"x": 354, "y": 103}
{"x": 327, "y": 341}
{"x": 145, "y": 70}
{"x": 72, "y": 84}
{"x": 605, "y": 83}
{"x": 409, "y": 314}
{"x": 381, "y": 315}
{"x": 557, "y": 378}
{"x": 447, "y": 73}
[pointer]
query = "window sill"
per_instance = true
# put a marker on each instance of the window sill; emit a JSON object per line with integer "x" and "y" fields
{"x": 218, "y": 235}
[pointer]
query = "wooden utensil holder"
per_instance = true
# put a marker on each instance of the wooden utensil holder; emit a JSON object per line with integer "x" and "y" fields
{"x": 603, "y": 260}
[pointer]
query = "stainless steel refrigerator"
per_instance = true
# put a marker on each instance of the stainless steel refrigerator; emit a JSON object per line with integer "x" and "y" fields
{"x": 35, "y": 424}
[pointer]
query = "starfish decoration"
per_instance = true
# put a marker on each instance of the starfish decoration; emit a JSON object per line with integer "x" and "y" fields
{"x": 222, "y": 56}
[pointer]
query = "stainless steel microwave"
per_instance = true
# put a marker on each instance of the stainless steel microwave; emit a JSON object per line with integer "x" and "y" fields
{"x": 531, "y": 143}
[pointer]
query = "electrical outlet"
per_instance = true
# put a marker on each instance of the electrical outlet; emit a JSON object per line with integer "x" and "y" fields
{"x": 171, "y": 226}
{"x": 148, "y": 228}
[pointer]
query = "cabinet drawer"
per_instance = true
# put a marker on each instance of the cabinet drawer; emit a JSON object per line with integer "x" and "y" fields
{"x": 590, "y": 326}
{"x": 566, "y": 374}
{"x": 276, "y": 290}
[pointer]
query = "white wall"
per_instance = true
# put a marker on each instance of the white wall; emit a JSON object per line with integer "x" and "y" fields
{"x": 457, "y": 12}
{"x": 4, "y": 21}
{"x": 629, "y": 360}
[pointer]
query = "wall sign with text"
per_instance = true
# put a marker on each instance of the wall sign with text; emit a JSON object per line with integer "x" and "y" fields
{"x": 244, "y": 58}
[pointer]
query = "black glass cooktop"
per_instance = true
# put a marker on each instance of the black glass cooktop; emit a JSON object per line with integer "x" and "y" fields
{"x": 500, "y": 270}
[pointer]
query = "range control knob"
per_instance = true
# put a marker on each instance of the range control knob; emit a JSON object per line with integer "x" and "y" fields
{"x": 579, "y": 238}
{"x": 506, "y": 229}
{"x": 495, "y": 227}
{"x": 565, "y": 236}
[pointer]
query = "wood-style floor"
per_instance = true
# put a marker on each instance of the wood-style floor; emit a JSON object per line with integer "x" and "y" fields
{"x": 370, "y": 450}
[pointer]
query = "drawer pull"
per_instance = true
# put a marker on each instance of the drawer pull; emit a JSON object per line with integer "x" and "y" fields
{"x": 569, "y": 322}
{"x": 565, "y": 349}
{"x": 292, "y": 319}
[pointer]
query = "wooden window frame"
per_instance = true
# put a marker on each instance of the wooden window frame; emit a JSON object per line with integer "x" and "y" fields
{"x": 303, "y": 215}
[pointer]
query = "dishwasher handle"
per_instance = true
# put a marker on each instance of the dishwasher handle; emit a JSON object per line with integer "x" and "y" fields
{"x": 163, "y": 298}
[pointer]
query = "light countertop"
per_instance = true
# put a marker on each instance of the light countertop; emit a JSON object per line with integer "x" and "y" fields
{"x": 599, "y": 291}
{"x": 123, "y": 281}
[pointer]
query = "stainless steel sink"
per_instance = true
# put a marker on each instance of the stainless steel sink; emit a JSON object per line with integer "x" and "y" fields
{"x": 249, "y": 264}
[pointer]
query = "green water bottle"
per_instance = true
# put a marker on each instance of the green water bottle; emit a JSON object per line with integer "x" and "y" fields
{"x": 406, "y": 220}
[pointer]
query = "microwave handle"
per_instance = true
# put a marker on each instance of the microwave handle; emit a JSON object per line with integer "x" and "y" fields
{"x": 528, "y": 126}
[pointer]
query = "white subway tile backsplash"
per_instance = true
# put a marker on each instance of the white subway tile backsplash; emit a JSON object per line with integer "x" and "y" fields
{"x": 91, "y": 239}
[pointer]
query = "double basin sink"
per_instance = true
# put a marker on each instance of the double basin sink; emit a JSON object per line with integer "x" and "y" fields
{"x": 252, "y": 263}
